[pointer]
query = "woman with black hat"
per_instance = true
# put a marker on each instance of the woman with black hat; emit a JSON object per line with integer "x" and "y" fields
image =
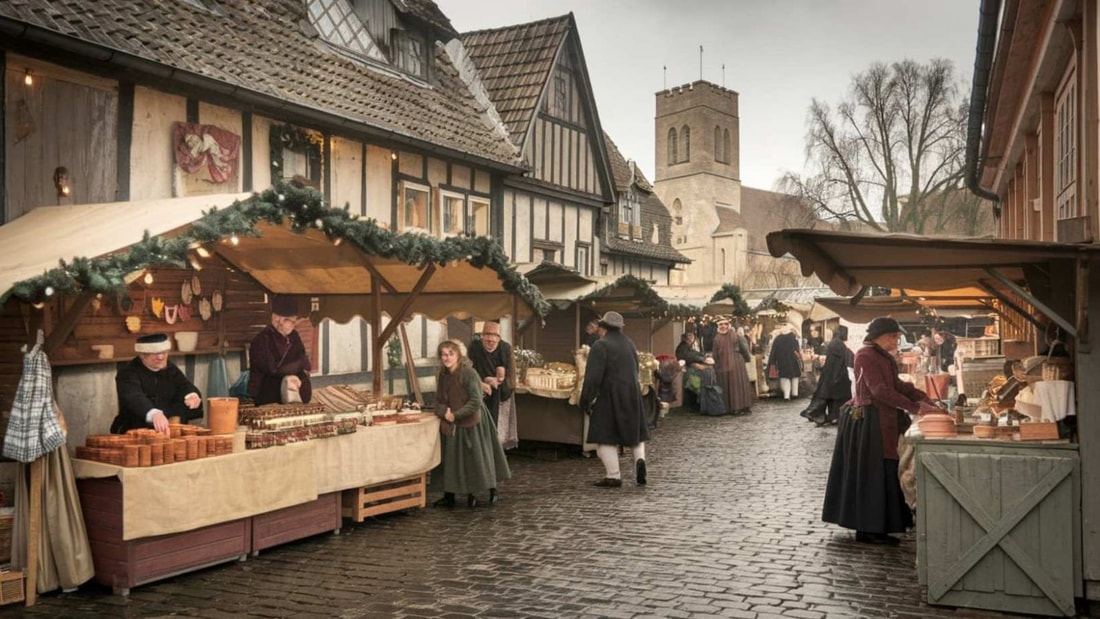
{"x": 863, "y": 492}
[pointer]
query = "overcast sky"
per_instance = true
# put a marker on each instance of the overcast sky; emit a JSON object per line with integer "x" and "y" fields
{"x": 778, "y": 55}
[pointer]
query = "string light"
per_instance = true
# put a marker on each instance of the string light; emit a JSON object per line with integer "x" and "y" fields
{"x": 234, "y": 240}
{"x": 28, "y": 78}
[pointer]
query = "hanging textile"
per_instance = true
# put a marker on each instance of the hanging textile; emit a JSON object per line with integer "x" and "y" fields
{"x": 33, "y": 430}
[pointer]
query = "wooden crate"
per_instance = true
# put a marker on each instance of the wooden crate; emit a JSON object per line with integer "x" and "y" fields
{"x": 11, "y": 587}
{"x": 7, "y": 522}
{"x": 1038, "y": 431}
{"x": 362, "y": 503}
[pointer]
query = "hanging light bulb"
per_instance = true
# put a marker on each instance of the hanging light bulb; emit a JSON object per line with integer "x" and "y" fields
{"x": 148, "y": 279}
{"x": 48, "y": 291}
{"x": 234, "y": 240}
{"x": 28, "y": 78}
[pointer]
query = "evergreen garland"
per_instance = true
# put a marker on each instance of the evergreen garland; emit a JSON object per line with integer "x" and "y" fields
{"x": 302, "y": 208}
{"x": 733, "y": 293}
{"x": 651, "y": 302}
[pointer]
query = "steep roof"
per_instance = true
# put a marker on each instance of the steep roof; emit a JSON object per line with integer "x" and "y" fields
{"x": 654, "y": 213}
{"x": 515, "y": 64}
{"x": 765, "y": 211}
{"x": 428, "y": 11}
{"x": 267, "y": 52}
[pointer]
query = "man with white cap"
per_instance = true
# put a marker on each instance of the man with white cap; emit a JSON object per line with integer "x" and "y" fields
{"x": 612, "y": 397}
{"x": 151, "y": 389}
{"x": 492, "y": 359}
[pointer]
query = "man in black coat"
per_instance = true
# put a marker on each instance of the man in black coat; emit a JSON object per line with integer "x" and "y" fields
{"x": 612, "y": 397}
{"x": 151, "y": 389}
{"x": 834, "y": 387}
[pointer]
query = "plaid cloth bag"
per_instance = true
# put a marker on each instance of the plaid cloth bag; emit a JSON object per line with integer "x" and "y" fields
{"x": 33, "y": 430}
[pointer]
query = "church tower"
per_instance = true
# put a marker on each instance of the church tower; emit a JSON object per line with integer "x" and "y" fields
{"x": 698, "y": 172}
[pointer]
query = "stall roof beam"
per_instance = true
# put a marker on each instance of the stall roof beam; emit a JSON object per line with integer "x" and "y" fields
{"x": 1042, "y": 307}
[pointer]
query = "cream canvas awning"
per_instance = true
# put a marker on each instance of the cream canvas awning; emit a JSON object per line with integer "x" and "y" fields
{"x": 35, "y": 242}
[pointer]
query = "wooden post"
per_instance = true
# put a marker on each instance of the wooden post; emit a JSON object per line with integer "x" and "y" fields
{"x": 410, "y": 367}
{"x": 34, "y": 530}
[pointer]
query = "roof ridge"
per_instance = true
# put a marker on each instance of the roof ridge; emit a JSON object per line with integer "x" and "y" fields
{"x": 538, "y": 22}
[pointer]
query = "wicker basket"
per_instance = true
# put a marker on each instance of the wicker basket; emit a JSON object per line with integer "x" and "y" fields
{"x": 549, "y": 380}
{"x": 7, "y": 522}
{"x": 1058, "y": 368}
{"x": 11, "y": 587}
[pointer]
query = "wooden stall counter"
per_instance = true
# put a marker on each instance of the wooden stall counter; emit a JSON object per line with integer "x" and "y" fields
{"x": 998, "y": 524}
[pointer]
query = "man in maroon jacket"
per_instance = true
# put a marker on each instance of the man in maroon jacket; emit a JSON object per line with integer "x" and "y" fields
{"x": 279, "y": 367}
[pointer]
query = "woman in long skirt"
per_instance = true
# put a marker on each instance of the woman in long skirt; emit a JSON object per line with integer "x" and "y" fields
{"x": 473, "y": 460}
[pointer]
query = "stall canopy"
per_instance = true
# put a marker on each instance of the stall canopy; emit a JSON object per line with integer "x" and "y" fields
{"x": 632, "y": 296}
{"x": 1008, "y": 270}
{"x": 286, "y": 238}
{"x": 35, "y": 242}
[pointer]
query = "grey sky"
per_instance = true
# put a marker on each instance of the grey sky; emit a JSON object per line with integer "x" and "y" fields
{"x": 778, "y": 55}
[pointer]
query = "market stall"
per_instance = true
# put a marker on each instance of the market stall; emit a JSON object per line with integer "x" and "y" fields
{"x": 1002, "y": 525}
{"x": 546, "y": 408}
{"x": 284, "y": 241}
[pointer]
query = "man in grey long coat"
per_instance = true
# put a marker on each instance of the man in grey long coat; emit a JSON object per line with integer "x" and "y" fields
{"x": 612, "y": 397}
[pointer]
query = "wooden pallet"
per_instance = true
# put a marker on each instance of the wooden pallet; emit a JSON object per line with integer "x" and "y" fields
{"x": 362, "y": 503}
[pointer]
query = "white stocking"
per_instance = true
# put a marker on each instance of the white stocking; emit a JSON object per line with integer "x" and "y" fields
{"x": 609, "y": 455}
{"x": 639, "y": 451}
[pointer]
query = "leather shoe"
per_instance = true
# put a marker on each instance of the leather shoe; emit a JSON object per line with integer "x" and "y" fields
{"x": 471, "y": 501}
{"x": 494, "y": 498}
{"x": 877, "y": 538}
{"x": 639, "y": 472}
{"x": 608, "y": 482}
{"x": 448, "y": 500}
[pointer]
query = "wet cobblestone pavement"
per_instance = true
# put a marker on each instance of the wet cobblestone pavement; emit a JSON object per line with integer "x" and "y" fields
{"x": 728, "y": 526}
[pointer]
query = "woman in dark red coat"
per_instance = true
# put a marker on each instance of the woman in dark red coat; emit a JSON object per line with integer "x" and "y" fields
{"x": 863, "y": 492}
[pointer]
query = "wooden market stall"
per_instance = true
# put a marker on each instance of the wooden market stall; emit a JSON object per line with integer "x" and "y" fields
{"x": 1002, "y": 525}
{"x": 548, "y": 413}
{"x": 284, "y": 241}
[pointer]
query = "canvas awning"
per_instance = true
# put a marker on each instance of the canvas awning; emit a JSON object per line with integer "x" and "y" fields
{"x": 35, "y": 242}
{"x": 1005, "y": 269}
{"x": 342, "y": 278}
{"x": 559, "y": 285}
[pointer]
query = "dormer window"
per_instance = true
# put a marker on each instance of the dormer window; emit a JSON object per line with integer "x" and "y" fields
{"x": 408, "y": 52}
{"x": 338, "y": 24}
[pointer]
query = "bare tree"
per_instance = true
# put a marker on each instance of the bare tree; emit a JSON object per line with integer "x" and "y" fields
{"x": 891, "y": 156}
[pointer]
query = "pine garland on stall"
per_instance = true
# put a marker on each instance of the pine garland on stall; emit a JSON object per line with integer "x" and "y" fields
{"x": 303, "y": 209}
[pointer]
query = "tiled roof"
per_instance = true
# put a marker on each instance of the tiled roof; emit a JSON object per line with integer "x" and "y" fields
{"x": 427, "y": 11}
{"x": 268, "y": 47}
{"x": 654, "y": 213}
{"x": 763, "y": 212}
{"x": 515, "y": 63}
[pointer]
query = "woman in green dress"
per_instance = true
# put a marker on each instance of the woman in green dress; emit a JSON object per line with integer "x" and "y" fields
{"x": 473, "y": 460}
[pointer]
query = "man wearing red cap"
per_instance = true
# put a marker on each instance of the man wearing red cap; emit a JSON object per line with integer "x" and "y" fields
{"x": 279, "y": 367}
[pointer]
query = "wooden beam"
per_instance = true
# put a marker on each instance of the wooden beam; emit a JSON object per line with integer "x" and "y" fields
{"x": 410, "y": 298}
{"x": 377, "y": 277}
{"x": 34, "y": 530}
{"x": 376, "y": 329}
{"x": 68, "y": 321}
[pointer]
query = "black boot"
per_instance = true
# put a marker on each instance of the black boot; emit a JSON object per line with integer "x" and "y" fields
{"x": 448, "y": 500}
{"x": 494, "y": 498}
{"x": 471, "y": 501}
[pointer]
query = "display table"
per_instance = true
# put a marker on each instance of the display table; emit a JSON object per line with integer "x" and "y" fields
{"x": 149, "y": 523}
{"x": 999, "y": 524}
{"x": 550, "y": 420}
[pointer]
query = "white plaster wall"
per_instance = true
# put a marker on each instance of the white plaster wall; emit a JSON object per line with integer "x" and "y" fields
{"x": 151, "y": 159}
{"x": 342, "y": 346}
{"x": 380, "y": 185}
{"x": 347, "y": 174}
{"x": 261, "y": 153}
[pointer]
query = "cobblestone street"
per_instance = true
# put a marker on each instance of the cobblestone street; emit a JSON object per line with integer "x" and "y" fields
{"x": 728, "y": 526}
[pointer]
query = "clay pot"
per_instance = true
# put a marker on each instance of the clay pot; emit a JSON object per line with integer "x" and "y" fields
{"x": 222, "y": 415}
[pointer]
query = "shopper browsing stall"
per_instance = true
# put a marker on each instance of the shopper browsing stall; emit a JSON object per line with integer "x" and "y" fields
{"x": 863, "y": 491}
{"x": 151, "y": 389}
{"x": 473, "y": 460}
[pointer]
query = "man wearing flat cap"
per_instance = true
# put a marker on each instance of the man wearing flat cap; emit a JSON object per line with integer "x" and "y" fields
{"x": 492, "y": 360}
{"x": 612, "y": 397}
{"x": 278, "y": 371}
{"x": 151, "y": 389}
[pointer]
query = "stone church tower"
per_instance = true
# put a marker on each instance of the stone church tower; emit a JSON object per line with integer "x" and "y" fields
{"x": 698, "y": 177}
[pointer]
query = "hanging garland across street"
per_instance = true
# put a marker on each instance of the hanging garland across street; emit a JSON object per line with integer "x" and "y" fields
{"x": 303, "y": 208}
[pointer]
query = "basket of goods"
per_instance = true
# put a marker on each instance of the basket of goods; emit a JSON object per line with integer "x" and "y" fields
{"x": 1058, "y": 368}
{"x": 937, "y": 425}
{"x": 525, "y": 359}
{"x": 647, "y": 364}
{"x": 550, "y": 383}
